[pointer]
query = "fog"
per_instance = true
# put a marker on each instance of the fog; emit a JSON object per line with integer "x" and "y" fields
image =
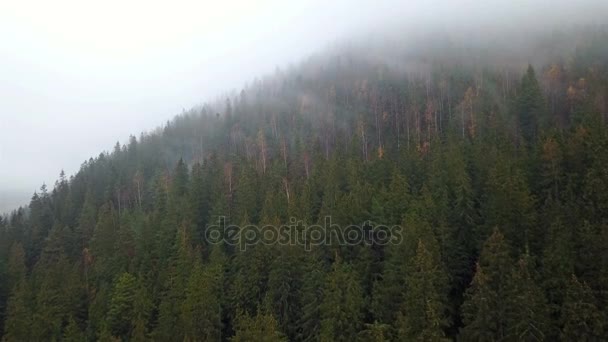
{"x": 77, "y": 76}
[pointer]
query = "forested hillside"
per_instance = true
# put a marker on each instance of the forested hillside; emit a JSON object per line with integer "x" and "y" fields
{"x": 493, "y": 161}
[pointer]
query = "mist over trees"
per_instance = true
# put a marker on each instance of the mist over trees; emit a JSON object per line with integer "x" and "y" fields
{"x": 490, "y": 154}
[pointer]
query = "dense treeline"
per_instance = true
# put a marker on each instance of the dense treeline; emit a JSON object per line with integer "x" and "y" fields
{"x": 496, "y": 172}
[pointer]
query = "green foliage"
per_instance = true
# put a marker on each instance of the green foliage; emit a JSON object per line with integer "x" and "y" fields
{"x": 17, "y": 326}
{"x": 120, "y": 251}
{"x": 103, "y": 243}
{"x": 261, "y": 328}
{"x": 73, "y": 333}
{"x": 485, "y": 309}
{"x": 375, "y": 332}
{"x": 423, "y": 315}
{"x": 121, "y": 310}
{"x": 530, "y": 106}
{"x": 201, "y": 311}
{"x": 341, "y": 309}
{"x": 581, "y": 318}
{"x": 528, "y": 311}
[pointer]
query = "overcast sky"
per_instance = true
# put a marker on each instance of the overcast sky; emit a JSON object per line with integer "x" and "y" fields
{"x": 76, "y": 76}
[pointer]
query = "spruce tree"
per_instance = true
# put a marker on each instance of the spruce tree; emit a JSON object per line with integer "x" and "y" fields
{"x": 423, "y": 314}
{"x": 581, "y": 318}
{"x": 284, "y": 289}
{"x": 530, "y": 107}
{"x": 103, "y": 243}
{"x": 179, "y": 267}
{"x": 528, "y": 312}
{"x": 309, "y": 322}
{"x": 201, "y": 309}
{"x": 342, "y": 307}
{"x": 18, "y": 324}
{"x": 121, "y": 308}
{"x": 485, "y": 308}
{"x": 262, "y": 327}
{"x": 72, "y": 332}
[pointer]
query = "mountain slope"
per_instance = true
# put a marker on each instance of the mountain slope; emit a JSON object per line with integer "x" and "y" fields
{"x": 493, "y": 169}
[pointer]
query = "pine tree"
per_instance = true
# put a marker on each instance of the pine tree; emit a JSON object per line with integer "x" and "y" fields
{"x": 398, "y": 198}
{"x": 250, "y": 279}
{"x": 142, "y": 311}
{"x": 199, "y": 198}
{"x": 41, "y": 221}
{"x": 86, "y": 221}
{"x": 510, "y": 205}
{"x": 342, "y": 307}
{"x": 103, "y": 243}
{"x": 105, "y": 335}
{"x": 388, "y": 294}
{"x": 201, "y": 309}
{"x": 72, "y": 332}
{"x": 18, "y": 324}
{"x": 169, "y": 325}
{"x": 375, "y": 332}
{"x": 245, "y": 207}
{"x": 179, "y": 181}
{"x": 423, "y": 316}
{"x": 139, "y": 333}
{"x": 262, "y": 327}
{"x": 486, "y": 301}
{"x": 309, "y": 322}
{"x": 53, "y": 302}
{"x": 121, "y": 309}
{"x": 581, "y": 319}
{"x": 284, "y": 289}
{"x": 528, "y": 318}
{"x": 17, "y": 269}
{"x": 530, "y": 107}
{"x": 97, "y": 311}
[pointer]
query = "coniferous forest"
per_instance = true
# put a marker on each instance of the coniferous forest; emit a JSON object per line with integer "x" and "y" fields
{"x": 493, "y": 161}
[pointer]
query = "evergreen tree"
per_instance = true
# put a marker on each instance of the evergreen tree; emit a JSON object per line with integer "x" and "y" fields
{"x": 201, "y": 311}
{"x": 284, "y": 289}
{"x": 250, "y": 279}
{"x": 342, "y": 307}
{"x": 510, "y": 204}
{"x": 53, "y": 301}
{"x": 86, "y": 221}
{"x": 103, "y": 243}
{"x": 17, "y": 270}
{"x": 18, "y": 324}
{"x": 528, "y": 311}
{"x": 72, "y": 332}
{"x": 169, "y": 308}
{"x": 581, "y": 318}
{"x": 375, "y": 332}
{"x": 530, "y": 107}
{"x": 309, "y": 322}
{"x": 423, "y": 316}
{"x": 199, "y": 198}
{"x": 139, "y": 333}
{"x": 486, "y": 305}
{"x": 262, "y": 327}
{"x": 245, "y": 207}
{"x": 121, "y": 309}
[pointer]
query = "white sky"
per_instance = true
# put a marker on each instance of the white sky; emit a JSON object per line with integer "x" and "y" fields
{"x": 76, "y": 76}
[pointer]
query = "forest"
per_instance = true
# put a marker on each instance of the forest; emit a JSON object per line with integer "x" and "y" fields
{"x": 493, "y": 160}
